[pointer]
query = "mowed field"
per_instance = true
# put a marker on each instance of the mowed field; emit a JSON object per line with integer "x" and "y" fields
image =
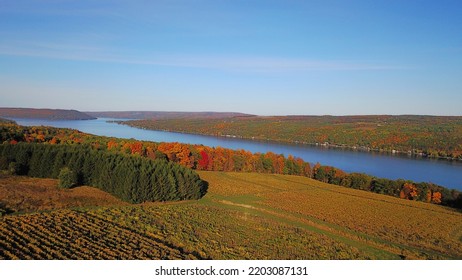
{"x": 243, "y": 216}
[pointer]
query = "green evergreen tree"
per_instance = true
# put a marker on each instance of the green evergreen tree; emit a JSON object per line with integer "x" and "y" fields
{"x": 133, "y": 179}
{"x": 67, "y": 178}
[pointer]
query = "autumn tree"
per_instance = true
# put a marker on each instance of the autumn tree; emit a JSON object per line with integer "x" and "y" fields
{"x": 203, "y": 161}
{"x": 136, "y": 148}
{"x": 408, "y": 191}
{"x": 436, "y": 197}
{"x": 112, "y": 145}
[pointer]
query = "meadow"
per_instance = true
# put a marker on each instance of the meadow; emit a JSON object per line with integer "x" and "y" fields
{"x": 242, "y": 216}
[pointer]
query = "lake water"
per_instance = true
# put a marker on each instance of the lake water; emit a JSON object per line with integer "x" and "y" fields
{"x": 442, "y": 172}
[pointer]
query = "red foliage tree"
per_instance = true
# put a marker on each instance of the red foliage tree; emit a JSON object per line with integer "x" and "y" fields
{"x": 204, "y": 161}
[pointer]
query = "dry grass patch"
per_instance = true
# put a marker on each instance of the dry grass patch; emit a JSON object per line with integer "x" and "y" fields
{"x": 25, "y": 194}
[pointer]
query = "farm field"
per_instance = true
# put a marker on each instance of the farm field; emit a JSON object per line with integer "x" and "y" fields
{"x": 242, "y": 216}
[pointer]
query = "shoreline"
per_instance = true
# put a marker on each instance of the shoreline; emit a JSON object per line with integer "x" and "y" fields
{"x": 393, "y": 152}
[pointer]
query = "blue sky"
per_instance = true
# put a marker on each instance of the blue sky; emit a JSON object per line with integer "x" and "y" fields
{"x": 260, "y": 57}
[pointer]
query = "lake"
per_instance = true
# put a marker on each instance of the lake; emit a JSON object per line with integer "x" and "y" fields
{"x": 442, "y": 172}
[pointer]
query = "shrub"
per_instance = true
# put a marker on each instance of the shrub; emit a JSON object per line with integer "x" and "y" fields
{"x": 12, "y": 168}
{"x": 67, "y": 178}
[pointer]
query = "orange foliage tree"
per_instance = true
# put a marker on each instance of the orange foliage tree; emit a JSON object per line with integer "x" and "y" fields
{"x": 112, "y": 145}
{"x": 408, "y": 191}
{"x": 436, "y": 197}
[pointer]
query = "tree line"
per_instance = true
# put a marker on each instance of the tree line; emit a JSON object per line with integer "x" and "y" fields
{"x": 220, "y": 159}
{"x": 405, "y": 189}
{"x": 130, "y": 178}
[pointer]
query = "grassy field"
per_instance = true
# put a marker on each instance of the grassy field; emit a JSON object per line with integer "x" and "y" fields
{"x": 243, "y": 216}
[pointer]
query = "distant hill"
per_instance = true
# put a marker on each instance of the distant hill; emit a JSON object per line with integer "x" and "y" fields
{"x": 165, "y": 115}
{"x": 47, "y": 114}
{"x": 2, "y": 121}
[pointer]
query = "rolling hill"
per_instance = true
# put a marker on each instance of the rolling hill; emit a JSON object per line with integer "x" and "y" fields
{"x": 48, "y": 114}
{"x": 243, "y": 216}
{"x": 160, "y": 115}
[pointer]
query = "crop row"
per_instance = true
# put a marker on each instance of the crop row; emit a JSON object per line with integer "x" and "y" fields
{"x": 73, "y": 235}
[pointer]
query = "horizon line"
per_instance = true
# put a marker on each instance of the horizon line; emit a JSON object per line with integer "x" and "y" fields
{"x": 229, "y": 112}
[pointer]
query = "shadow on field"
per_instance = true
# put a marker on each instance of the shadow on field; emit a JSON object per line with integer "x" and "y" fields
{"x": 204, "y": 186}
{"x": 4, "y": 210}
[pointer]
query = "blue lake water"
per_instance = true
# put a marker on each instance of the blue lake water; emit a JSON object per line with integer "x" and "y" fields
{"x": 442, "y": 172}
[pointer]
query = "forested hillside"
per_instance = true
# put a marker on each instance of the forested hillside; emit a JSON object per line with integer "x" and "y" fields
{"x": 164, "y": 115}
{"x": 48, "y": 114}
{"x": 418, "y": 135}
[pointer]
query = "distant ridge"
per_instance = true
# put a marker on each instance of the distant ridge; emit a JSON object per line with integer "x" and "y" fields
{"x": 46, "y": 114}
{"x": 165, "y": 115}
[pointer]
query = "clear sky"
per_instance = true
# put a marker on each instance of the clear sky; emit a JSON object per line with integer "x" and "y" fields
{"x": 263, "y": 57}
